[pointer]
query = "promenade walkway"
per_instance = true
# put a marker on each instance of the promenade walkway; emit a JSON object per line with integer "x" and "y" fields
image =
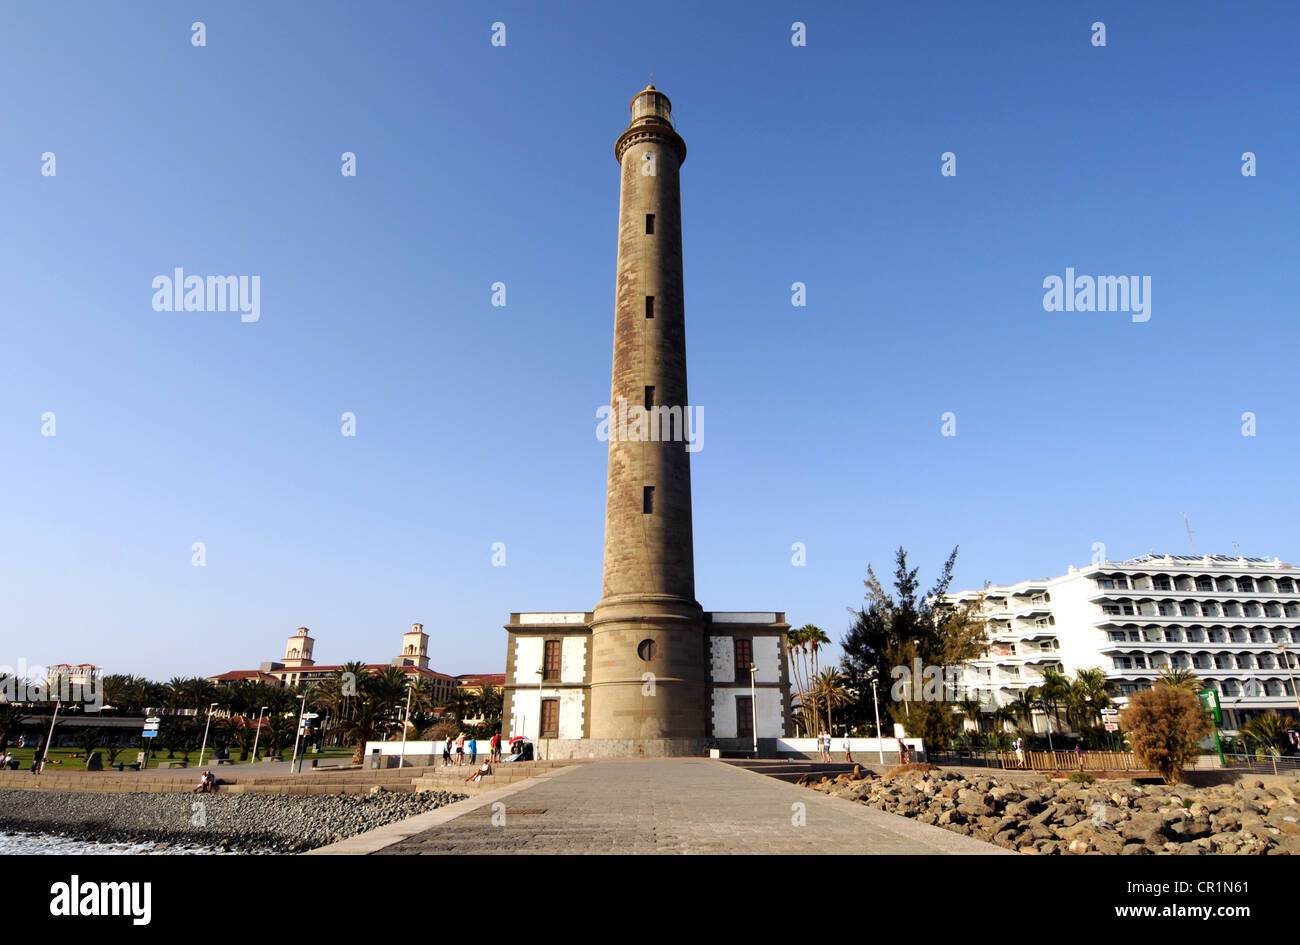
{"x": 659, "y": 806}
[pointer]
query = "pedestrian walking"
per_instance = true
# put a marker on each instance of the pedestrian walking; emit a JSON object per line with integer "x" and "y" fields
{"x": 1019, "y": 746}
{"x": 904, "y": 756}
{"x": 460, "y": 750}
{"x": 848, "y": 748}
{"x": 495, "y": 746}
{"x": 446, "y": 752}
{"x": 473, "y": 750}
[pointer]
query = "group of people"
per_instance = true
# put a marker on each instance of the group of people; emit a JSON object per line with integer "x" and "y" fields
{"x": 9, "y": 761}
{"x": 824, "y": 741}
{"x": 207, "y": 783}
{"x": 460, "y": 744}
{"x": 1018, "y": 746}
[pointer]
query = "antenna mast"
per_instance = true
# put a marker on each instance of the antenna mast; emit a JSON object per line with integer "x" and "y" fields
{"x": 1188, "y": 523}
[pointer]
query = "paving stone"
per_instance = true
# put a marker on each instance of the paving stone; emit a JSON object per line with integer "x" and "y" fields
{"x": 681, "y": 806}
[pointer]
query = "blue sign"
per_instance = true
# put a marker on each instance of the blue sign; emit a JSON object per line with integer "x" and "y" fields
{"x": 149, "y": 734}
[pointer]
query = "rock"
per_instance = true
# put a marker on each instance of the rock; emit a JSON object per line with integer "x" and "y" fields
{"x": 1143, "y": 826}
{"x": 1080, "y": 831}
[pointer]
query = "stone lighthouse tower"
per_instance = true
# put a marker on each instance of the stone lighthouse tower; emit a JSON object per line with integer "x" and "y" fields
{"x": 647, "y": 632}
{"x": 647, "y": 672}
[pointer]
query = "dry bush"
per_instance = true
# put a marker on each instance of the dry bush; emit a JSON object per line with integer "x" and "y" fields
{"x": 1165, "y": 726}
{"x": 911, "y": 766}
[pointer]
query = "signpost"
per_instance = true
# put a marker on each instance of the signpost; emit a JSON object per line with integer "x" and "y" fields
{"x": 1110, "y": 722}
{"x": 151, "y": 724}
{"x": 1210, "y": 703}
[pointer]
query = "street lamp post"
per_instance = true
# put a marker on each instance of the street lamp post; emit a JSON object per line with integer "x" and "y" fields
{"x": 258, "y": 734}
{"x": 207, "y": 725}
{"x": 541, "y": 678}
{"x": 875, "y": 700}
{"x": 406, "y": 723}
{"x": 293, "y": 762}
{"x": 1290, "y": 675}
{"x": 49, "y": 738}
{"x": 753, "y": 705}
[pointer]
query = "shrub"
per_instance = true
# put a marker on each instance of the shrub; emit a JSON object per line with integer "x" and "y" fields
{"x": 1082, "y": 777}
{"x": 1165, "y": 726}
{"x": 911, "y": 766}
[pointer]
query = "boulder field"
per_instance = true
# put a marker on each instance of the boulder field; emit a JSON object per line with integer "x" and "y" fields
{"x": 1056, "y": 816}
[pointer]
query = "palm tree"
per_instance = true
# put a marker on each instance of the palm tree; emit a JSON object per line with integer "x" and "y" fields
{"x": 1054, "y": 692}
{"x": 174, "y": 692}
{"x": 368, "y": 724}
{"x": 817, "y": 638}
{"x": 805, "y": 643}
{"x": 1024, "y": 704}
{"x": 1001, "y": 717}
{"x": 829, "y": 691}
{"x": 1183, "y": 678}
{"x": 350, "y": 679}
{"x": 11, "y": 717}
{"x": 795, "y": 640}
{"x": 387, "y": 690}
{"x": 1091, "y": 692}
{"x": 1268, "y": 732}
{"x": 277, "y": 729}
{"x": 970, "y": 707}
{"x": 461, "y": 704}
{"x": 244, "y": 731}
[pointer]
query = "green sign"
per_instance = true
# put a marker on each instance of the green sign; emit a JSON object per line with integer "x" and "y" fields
{"x": 1210, "y": 702}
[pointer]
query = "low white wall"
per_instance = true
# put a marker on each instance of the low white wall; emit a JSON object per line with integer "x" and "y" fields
{"x": 426, "y": 748}
{"x": 866, "y": 746}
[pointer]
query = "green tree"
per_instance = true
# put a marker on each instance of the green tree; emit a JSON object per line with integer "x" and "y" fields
{"x": 461, "y": 704}
{"x": 1268, "y": 732}
{"x": 894, "y": 629}
{"x": 830, "y": 692}
{"x": 1054, "y": 693}
{"x": 1180, "y": 679}
{"x": 86, "y": 739}
{"x": 368, "y": 724}
{"x": 278, "y": 730}
{"x": 244, "y": 732}
{"x": 11, "y": 717}
{"x": 1024, "y": 704}
{"x": 796, "y": 645}
{"x": 490, "y": 703}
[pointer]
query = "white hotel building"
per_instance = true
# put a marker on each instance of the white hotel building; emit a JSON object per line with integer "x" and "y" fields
{"x": 1233, "y": 621}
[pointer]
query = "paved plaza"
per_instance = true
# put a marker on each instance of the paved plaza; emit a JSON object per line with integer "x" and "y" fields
{"x": 660, "y": 806}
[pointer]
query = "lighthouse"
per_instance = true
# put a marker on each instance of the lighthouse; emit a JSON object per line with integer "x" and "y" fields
{"x": 647, "y": 632}
{"x": 647, "y": 672}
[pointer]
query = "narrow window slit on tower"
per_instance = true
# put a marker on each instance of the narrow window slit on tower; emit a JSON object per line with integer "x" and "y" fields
{"x": 648, "y": 500}
{"x": 649, "y": 306}
{"x": 649, "y": 224}
{"x": 649, "y": 398}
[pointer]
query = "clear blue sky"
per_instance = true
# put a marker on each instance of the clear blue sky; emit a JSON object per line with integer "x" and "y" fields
{"x": 477, "y": 424}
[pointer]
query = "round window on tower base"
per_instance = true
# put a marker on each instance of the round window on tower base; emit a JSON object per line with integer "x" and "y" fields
{"x": 647, "y": 650}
